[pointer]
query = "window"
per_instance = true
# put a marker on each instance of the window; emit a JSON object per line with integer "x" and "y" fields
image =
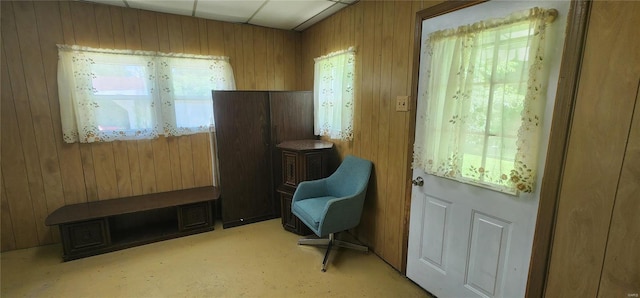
{"x": 333, "y": 95}
{"x": 108, "y": 95}
{"x": 121, "y": 89}
{"x": 485, "y": 93}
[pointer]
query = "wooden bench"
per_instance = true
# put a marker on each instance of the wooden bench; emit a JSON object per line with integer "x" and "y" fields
{"x": 98, "y": 227}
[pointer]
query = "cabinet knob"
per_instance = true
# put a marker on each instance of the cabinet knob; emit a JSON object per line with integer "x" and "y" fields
{"x": 418, "y": 181}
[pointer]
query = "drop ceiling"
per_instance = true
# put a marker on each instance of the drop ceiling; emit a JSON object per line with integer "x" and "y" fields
{"x": 281, "y": 14}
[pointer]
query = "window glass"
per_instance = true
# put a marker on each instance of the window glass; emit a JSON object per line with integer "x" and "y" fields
{"x": 484, "y": 86}
{"x": 108, "y": 95}
{"x": 192, "y": 95}
{"x": 123, "y": 95}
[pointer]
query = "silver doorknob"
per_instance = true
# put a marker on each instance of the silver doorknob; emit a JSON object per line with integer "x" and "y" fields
{"x": 418, "y": 181}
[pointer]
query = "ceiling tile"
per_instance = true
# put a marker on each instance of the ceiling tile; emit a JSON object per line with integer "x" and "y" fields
{"x": 227, "y": 11}
{"x": 282, "y": 14}
{"x": 183, "y": 7}
{"x": 319, "y": 17}
{"x": 286, "y": 14}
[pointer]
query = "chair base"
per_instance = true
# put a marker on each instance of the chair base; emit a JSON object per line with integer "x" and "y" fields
{"x": 330, "y": 242}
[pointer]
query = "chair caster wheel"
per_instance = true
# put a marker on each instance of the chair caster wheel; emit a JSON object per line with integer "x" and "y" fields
{"x": 324, "y": 270}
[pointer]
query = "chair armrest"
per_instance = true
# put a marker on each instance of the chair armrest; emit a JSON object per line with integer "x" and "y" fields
{"x": 310, "y": 189}
{"x": 342, "y": 214}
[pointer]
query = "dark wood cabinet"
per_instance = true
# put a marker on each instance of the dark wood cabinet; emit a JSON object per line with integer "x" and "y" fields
{"x": 248, "y": 125}
{"x": 98, "y": 227}
{"x": 302, "y": 160}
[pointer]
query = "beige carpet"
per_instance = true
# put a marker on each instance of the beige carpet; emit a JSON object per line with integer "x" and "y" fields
{"x": 256, "y": 260}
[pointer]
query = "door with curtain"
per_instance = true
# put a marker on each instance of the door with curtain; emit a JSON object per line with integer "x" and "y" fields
{"x": 474, "y": 200}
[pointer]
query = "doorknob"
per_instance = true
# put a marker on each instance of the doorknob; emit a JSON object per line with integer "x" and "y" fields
{"x": 418, "y": 181}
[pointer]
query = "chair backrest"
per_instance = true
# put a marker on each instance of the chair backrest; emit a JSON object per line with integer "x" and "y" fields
{"x": 349, "y": 180}
{"x": 351, "y": 177}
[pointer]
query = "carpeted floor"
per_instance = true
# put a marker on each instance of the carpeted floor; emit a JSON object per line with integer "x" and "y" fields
{"x": 256, "y": 260}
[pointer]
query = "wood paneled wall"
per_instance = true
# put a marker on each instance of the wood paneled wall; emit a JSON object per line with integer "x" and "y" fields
{"x": 383, "y": 34}
{"x": 595, "y": 212}
{"x": 595, "y": 221}
{"x": 41, "y": 173}
{"x": 595, "y": 242}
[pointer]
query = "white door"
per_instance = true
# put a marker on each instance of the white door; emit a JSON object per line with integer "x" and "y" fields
{"x": 468, "y": 241}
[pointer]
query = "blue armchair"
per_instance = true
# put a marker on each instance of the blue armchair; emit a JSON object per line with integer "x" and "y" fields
{"x": 333, "y": 204}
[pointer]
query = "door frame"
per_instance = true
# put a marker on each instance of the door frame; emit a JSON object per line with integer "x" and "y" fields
{"x": 561, "y": 121}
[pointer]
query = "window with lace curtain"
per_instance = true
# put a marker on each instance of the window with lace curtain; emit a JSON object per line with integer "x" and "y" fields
{"x": 108, "y": 95}
{"x": 485, "y": 87}
{"x": 333, "y": 94}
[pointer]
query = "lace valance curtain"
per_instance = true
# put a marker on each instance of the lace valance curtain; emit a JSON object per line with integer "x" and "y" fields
{"x": 108, "y": 95}
{"x": 485, "y": 86}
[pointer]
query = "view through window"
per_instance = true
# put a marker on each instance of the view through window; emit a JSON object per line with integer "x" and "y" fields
{"x": 108, "y": 95}
{"x": 485, "y": 89}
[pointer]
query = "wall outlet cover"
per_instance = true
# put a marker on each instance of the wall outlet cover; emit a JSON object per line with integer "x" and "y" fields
{"x": 402, "y": 103}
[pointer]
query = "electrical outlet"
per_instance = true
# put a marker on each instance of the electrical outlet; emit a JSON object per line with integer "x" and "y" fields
{"x": 402, "y": 103}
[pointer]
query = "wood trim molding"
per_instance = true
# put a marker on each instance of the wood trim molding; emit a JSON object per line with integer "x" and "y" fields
{"x": 556, "y": 155}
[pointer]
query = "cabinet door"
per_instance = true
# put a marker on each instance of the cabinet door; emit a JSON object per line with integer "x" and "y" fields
{"x": 315, "y": 165}
{"x": 291, "y": 115}
{"x": 82, "y": 237}
{"x": 195, "y": 216}
{"x": 289, "y": 221}
{"x": 242, "y": 122}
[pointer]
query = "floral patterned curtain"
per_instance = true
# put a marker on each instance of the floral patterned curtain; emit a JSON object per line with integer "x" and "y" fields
{"x": 333, "y": 94}
{"x": 485, "y": 87}
{"x": 108, "y": 95}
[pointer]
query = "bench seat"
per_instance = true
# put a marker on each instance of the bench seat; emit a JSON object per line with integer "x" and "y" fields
{"x": 97, "y": 227}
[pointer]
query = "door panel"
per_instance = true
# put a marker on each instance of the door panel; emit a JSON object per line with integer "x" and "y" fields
{"x": 289, "y": 107}
{"x": 489, "y": 238}
{"x": 243, "y": 139}
{"x": 435, "y": 232}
